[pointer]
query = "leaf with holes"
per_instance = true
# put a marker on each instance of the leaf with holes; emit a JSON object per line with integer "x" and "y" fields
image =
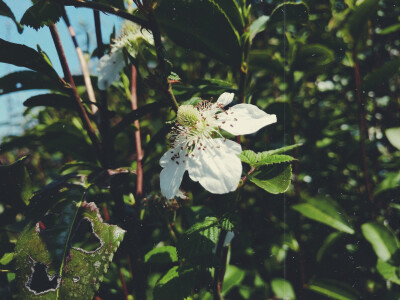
{"x": 273, "y": 179}
{"x": 23, "y": 56}
{"x": 15, "y": 183}
{"x": 326, "y": 211}
{"x": 187, "y": 23}
{"x": 198, "y": 242}
{"x": 6, "y": 11}
{"x": 65, "y": 254}
{"x": 42, "y": 13}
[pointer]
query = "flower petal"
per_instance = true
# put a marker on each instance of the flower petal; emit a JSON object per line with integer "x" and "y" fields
{"x": 245, "y": 119}
{"x": 174, "y": 164}
{"x": 218, "y": 170}
{"x": 109, "y": 67}
{"x": 225, "y": 98}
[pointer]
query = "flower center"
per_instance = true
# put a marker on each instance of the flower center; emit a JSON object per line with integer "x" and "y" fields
{"x": 188, "y": 115}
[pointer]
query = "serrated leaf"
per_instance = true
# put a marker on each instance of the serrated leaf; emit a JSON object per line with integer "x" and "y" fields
{"x": 393, "y": 135}
{"x": 15, "y": 183}
{"x": 23, "y": 56}
{"x": 274, "y": 179}
{"x": 6, "y": 11}
{"x": 382, "y": 239}
{"x": 282, "y": 289}
{"x": 388, "y": 271}
{"x": 326, "y": 211}
{"x": 197, "y": 244}
{"x": 381, "y": 75}
{"x": 42, "y": 13}
{"x": 283, "y": 149}
{"x": 268, "y": 159}
{"x": 287, "y": 13}
{"x": 44, "y": 249}
{"x": 178, "y": 283}
{"x": 174, "y": 76}
{"x": 258, "y": 26}
{"x": 187, "y": 23}
{"x": 248, "y": 157}
{"x": 333, "y": 289}
{"x": 51, "y": 100}
{"x": 360, "y": 16}
{"x": 161, "y": 255}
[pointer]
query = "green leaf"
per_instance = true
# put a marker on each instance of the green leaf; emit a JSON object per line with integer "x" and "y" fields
{"x": 325, "y": 211}
{"x": 382, "y": 239}
{"x": 263, "y": 158}
{"x": 282, "y": 150}
{"x": 178, "y": 283}
{"x": 329, "y": 241}
{"x": 187, "y": 23}
{"x": 198, "y": 242}
{"x": 23, "y": 56}
{"x": 391, "y": 181}
{"x": 192, "y": 101}
{"x": 360, "y": 17}
{"x": 258, "y": 26}
{"x": 248, "y": 157}
{"x": 233, "y": 277}
{"x": 53, "y": 262}
{"x": 7, "y": 258}
{"x": 388, "y": 271}
{"x": 161, "y": 255}
{"x": 233, "y": 12}
{"x": 390, "y": 29}
{"x": 6, "y": 11}
{"x": 393, "y": 135}
{"x": 282, "y": 289}
{"x": 314, "y": 58}
{"x": 15, "y": 183}
{"x": 289, "y": 13}
{"x": 381, "y": 75}
{"x": 333, "y": 289}
{"x": 25, "y": 80}
{"x": 51, "y": 100}
{"x": 42, "y": 13}
{"x": 275, "y": 179}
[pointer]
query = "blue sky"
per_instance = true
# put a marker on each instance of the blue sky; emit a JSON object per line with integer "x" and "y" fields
{"x": 11, "y": 108}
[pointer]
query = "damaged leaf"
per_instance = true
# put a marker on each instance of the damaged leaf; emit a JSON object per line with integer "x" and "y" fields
{"x": 66, "y": 253}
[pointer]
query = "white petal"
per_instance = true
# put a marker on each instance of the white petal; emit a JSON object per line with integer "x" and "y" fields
{"x": 174, "y": 163}
{"x": 245, "y": 119}
{"x": 225, "y": 98}
{"x": 218, "y": 170}
{"x": 109, "y": 67}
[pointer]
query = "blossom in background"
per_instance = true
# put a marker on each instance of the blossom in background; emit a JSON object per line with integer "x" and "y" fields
{"x": 111, "y": 64}
{"x": 198, "y": 146}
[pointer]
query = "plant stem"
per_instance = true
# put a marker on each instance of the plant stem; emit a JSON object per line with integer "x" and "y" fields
{"x": 83, "y": 64}
{"x": 138, "y": 141}
{"x": 67, "y": 74}
{"x": 162, "y": 65}
{"x": 220, "y": 268}
{"x": 362, "y": 127}
{"x": 105, "y": 8}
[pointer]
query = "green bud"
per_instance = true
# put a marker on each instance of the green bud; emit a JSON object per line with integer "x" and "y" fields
{"x": 188, "y": 115}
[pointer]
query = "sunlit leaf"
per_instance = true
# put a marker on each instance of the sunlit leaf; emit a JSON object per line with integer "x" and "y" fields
{"x": 388, "y": 271}
{"x": 258, "y": 26}
{"x": 333, "y": 289}
{"x": 282, "y": 289}
{"x": 393, "y": 135}
{"x": 161, "y": 255}
{"x": 325, "y": 211}
{"x": 383, "y": 241}
{"x": 391, "y": 181}
{"x": 233, "y": 277}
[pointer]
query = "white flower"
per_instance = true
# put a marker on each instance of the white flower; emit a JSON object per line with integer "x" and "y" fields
{"x": 198, "y": 147}
{"x": 111, "y": 64}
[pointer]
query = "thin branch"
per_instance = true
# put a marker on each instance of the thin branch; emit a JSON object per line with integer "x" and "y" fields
{"x": 138, "y": 141}
{"x": 82, "y": 62}
{"x": 362, "y": 126}
{"x": 67, "y": 74}
{"x": 106, "y": 9}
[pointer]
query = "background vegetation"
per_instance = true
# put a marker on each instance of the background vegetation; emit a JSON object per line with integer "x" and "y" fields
{"x": 327, "y": 69}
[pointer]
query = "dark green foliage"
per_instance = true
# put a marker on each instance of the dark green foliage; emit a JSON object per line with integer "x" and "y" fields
{"x": 6, "y": 11}
{"x": 42, "y": 13}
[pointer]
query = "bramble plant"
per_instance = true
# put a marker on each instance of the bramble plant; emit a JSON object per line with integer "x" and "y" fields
{"x": 285, "y": 116}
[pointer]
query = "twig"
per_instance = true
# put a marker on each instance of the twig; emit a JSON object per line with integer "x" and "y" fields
{"x": 138, "y": 141}
{"x": 67, "y": 74}
{"x": 82, "y": 62}
{"x": 362, "y": 127}
{"x": 106, "y": 9}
